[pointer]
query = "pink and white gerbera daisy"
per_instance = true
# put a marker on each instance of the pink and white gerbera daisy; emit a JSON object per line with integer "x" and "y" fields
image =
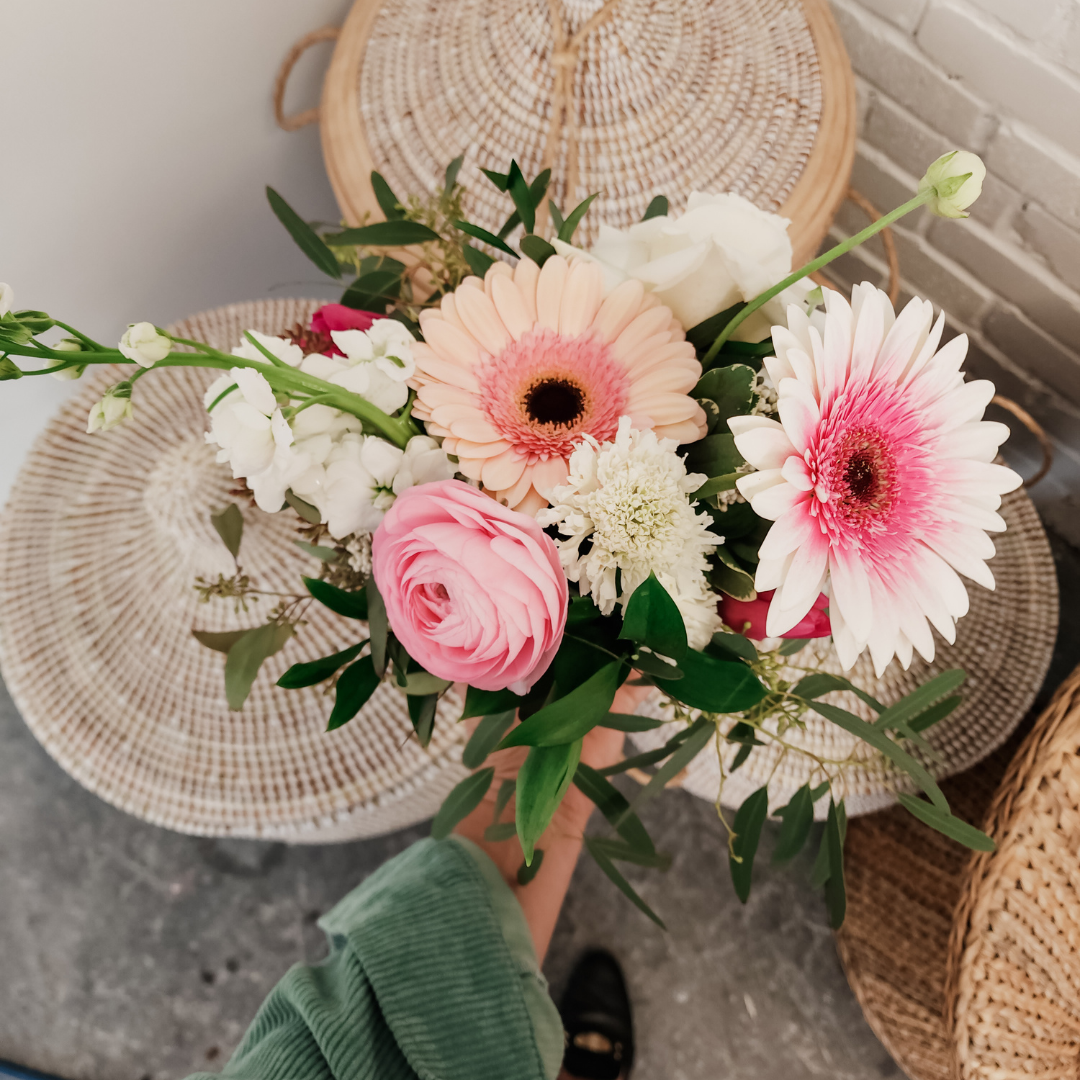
{"x": 516, "y": 368}
{"x": 878, "y": 478}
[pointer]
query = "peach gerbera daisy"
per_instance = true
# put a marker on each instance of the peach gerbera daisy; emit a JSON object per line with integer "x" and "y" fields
{"x": 516, "y": 368}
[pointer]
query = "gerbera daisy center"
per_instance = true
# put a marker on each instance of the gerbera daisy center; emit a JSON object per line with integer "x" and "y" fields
{"x": 862, "y": 477}
{"x": 554, "y": 401}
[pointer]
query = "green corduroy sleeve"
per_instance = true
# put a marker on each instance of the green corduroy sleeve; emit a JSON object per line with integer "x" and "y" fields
{"x": 431, "y": 975}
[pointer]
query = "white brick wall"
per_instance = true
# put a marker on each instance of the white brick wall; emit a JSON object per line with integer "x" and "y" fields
{"x": 1002, "y": 78}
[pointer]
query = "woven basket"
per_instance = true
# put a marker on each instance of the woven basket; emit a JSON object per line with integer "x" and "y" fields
{"x": 661, "y": 98}
{"x": 1013, "y": 983}
{"x": 1004, "y": 644}
{"x": 99, "y": 547}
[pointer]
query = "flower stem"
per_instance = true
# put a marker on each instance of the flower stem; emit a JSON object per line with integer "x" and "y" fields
{"x": 811, "y": 267}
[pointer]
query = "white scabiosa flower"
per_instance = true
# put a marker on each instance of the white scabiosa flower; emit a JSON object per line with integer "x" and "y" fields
{"x": 630, "y": 499}
{"x": 143, "y": 345}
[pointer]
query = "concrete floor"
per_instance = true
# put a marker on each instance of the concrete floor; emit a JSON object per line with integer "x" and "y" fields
{"x": 132, "y": 953}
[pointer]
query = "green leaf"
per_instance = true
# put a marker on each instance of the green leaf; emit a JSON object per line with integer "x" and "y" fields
{"x": 629, "y": 722}
{"x": 506, "y": 791}
{"x": 538, "y": 188}
{"x": 9, "y": 369}
{"x": 648, "y": 663}
{"x": 422, "y": 715}
{"x": 947, "y": 824}
{"x": 229, "y": 524}
{"x": 814, "y": 686}
{"x": 366, "y": 291}
{"x": 479, "y": 261}
{"x": 714, "y": 686}
{"x": 907, "y": 708}
{"x": 384, "y": 234}
{"x": 246, "y": 657}
{"x": 652, "y": 618}
{"x": 582, "y": 610}
{"x": 353, "y": 605}
{"x": 423, "y": 683}
{"x": 322, "y": 553}
{"x": 487, "y": 237}
{"x": 500, "y": 180}
{"x": 693, "y": 741}
{"x": 308, "y": 240}
{"x": 715, "y": 455}
{"x": 741, "y": 756}
{"x": 620, "y": 882}
{"x": 705, "y": 333}
{"x": 935, "y": 713}
{"x": 541, "y": 784}
{"x": 797, "y": 818}
{"x": 820, "y": 872}
{"x": 378, "y": 625}
{"x": 614, "y": 806}
{"x": 714, "y": 485}
{"x": 749, "y": 819}
{"x": 835, "y": 893}
{"x": 500, "y": 832}
{"x": 793, "y": 645}
{"x": 357, "y": 683}
{"x": 573, "y": 219}
{"x": 536, "y": 249}
{"x": 315, "y": 671}
{"x": 526, "y": 872}
{"x": 731, "y": 388}
{"x": 638, "y": 761}
{"x": 557, "y": 218}
{"x": 657, "y": 208}
{"x": 624, "y": 852}
{"x": 461, "y": 802}
{"x": 485, "y": 738}
{"x": 734, "y": 645}
{"x": 219, "y": 641}
{"x": 306, "y": 511}
{"x": 488, "y": 702}
{"x": 451, "y": 174}
{"x": 880, "y": 741}
{"x": 729, "y": 577}
{"x": 388, "y": 202}
{"x": 519, "y": 192}
{"x": 570, "y": 718}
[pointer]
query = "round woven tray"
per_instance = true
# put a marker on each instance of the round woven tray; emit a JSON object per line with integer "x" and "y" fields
{"x": 100, "y": 545}
{"x": 1004, "y": 644}
{"x": 663, "y": 97}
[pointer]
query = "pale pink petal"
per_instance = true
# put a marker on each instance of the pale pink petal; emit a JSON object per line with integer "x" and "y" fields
{"x": 526, "y": 274}
{"x": 581, "y": 300}
{"x": 619, "y": 308}
{"x": 775, "y": 501}
{"x": 510, "y": 304}
{"x": 799, "y": 413}
{"x": 851, "y": 592}
{"x": 764, "y": 447}
{"x": 482, "y": 320}
{"x": 550, "y": 288}
{"x": 450, "y": 344}
{"x": 503, "y": 471}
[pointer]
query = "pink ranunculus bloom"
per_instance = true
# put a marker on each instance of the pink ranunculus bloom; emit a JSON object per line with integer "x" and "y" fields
{"x": 473, "y": 590}
{"x": 748, "y": 617}
{"x": 332, "y": 317}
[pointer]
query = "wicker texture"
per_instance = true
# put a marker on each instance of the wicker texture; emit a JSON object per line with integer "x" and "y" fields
{"x": 665, "y": 97}
{"x": 99, "y": 548}
{"x": 1013, "y": 983}
{"x": 1004, "y": 644}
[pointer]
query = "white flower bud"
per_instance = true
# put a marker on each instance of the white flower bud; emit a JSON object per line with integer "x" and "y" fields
{"x": 7, "y": 298}
{"x": 68, "y": 345}
{"x": 143, "y": 345}
{"x": 956, "y": 180}
{"x": 114, "y": 408}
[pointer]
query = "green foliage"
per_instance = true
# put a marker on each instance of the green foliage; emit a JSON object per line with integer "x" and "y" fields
{"x": 797, "y": 817}
{"x": 687, "y": 745}
{"x": 519, "y": 192}
{"x": 398, "y": 233}
{"x": 246, "y": 656}
{"x": 479, "y": 261}
{"x": 651, "y": 618}
{"x": 356, "y": 685}
{"x": 315, "y": 671}
{"x": 614, "y": 806}
{"x": 910, "y": 707}
{"x": 630, "y": 722}
{"x": 833, "y": 842}
{"x": 221, "y": 641}
{"x": 541, "y": 784}
{"x": 715, "y": 455}
{"x": 488, "y": 702}
{"x": 323, "y": 554}
{"x": 658, "y": 207}
{"x": 573, "y": 219}
{"x": 308, "y": 240}
{"x": 388, "y": 202}
{"x": 306, "y": 511}
{"x": 461, "y": 802}
{"x": 705, "y": 333}
{"x": 485, "y": 738}
{"x": 947, "y": 824}
{"x": 599, "y": 851}
{"x": 749, "y": 819}
{"x": 229, "y": 525}
{"x": 537, "y": 249}
{"x": 451, "y": 174}
{"x": 821, "y": 682}
{"x": 353, "y": 605}
{"x": 526, "y": 873}
{"x": 714, "y": 686}
{"x": 371, "y": 291}
{"x": 485, "y": 236}
{"x": 378, "y": 626}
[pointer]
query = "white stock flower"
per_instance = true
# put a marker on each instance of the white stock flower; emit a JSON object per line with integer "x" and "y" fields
{"x": 386, "y": 343}
{"x": 425, "y": 461}
{"x": 7, "y": 298}
{"x": 143, "y": 345}
{"x": 282, "y": 348}
{"x": 66, "y": 374}
{"x": 360, "y": 475}
{"x": 114, "y": 408}
{"x": 630, "y": 499}
{"x": 723, "y": 250}
{"x": 952, "y": 196}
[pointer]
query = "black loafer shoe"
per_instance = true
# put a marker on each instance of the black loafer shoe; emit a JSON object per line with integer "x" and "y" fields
{"x": 596, "y": 1017}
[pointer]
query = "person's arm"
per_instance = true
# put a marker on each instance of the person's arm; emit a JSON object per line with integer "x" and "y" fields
{"x": 542, "y": 899}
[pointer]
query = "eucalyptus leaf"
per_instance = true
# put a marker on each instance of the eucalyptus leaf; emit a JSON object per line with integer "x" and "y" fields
{"x": 306, "y": 511}
{"x": 388, "y": 202}
{"x": 835, "y": 892}
{"x": 356, "y": 685}
{"x": 322, "y": 553}
{"x": 613, "y": 805}
{"x": 378, "y": 625}
{"x": 500, "y": 832}
{"x": 308, "y": 240}
{"x": 488, "y": 702}
{"x": 485, "y": 738}
{"x": 542, "y": 782}
{"x": 422, "y": 683}
{"x": 506, "y": 792}
{"x": 658, "y": 207}
{"x": 368, "y": 289}
{"x": 797, "y": 818}
{"x": 451, "y": 174}
{"x": 229, "y": 524}
{"x": 526, "y": 871}
{"x": 624, "y": 852}
{"x": 219, "y": 641}
{"x": 620, "y": 882}
{"x": 907, "y": 708}
{"x": 353, "y": 605}
{"x": 315, "y": 671}
{"x": 630, "y": 722}
{"x": 693, "y": 742}
{"x": 749, "y": 819}
{"x": 937, "y": 712}
{"x": 793, "y": 645}
{"x": 819, "y": 683}
{"x": 246, "y": 657}
{"x": 568, "y": 719}
{"x": 461, "y": 802}
{"x": 947, "y": 824}
{"x": 384, "y": 234}
{"x": 519, "y": 192}
{"x": 422, "y": 715}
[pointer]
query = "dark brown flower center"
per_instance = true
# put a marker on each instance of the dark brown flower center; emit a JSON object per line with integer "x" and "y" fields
{"x": 869, "y": 474}
{"x": 554, "y": 401}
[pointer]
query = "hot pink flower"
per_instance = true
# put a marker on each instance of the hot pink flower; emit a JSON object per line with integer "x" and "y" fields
{"x": 473, "y": 590}
{"x": 748, "y": 617}
{"x": 332, "y": 317}
{"x": 879, "y": 477}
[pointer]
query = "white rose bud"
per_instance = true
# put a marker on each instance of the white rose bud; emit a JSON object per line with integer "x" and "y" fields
{"x": 68, "y": 345}
{"x": 7, "y": 298}
{"x": 956, "y": 180}
{"x": 114, "y": 408}
{"x": 143, "y": 345}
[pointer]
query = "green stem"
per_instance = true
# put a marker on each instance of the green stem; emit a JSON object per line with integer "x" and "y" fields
{"x": 822, "y": 260}
{"x": 81, "y": 336}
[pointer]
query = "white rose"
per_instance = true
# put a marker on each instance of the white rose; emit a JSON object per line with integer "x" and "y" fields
{"x": 143, "y": 345}
{"x": 723, "y": 250}
{"x": 114, "y": 408}
{"x": 7, "y": 298}
{"x": 424, "y": 462}
{"x": 282, "y": 348}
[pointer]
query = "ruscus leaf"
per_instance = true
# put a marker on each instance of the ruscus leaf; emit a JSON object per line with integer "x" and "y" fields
{"x": 461, "y": 802}
{"x": 353, "y": 605}
{"x": 797, "y": 818}
{"x": 749, "y": 819}
{"x": 308, "y": 240}
{"x": 356, "y": 685}
{"x": 658, "y": 207}
{"x": 315, "y": 671}
{"x": 541, "y": 784}
{"x": 652, "y": 618}
{"x": 485, "y": 738}
{"x": 620, "y": 882}
{"x": 385, "y": 197}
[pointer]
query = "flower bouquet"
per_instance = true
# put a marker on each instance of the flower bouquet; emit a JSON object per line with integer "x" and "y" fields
{"x": 546, "y": 473}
